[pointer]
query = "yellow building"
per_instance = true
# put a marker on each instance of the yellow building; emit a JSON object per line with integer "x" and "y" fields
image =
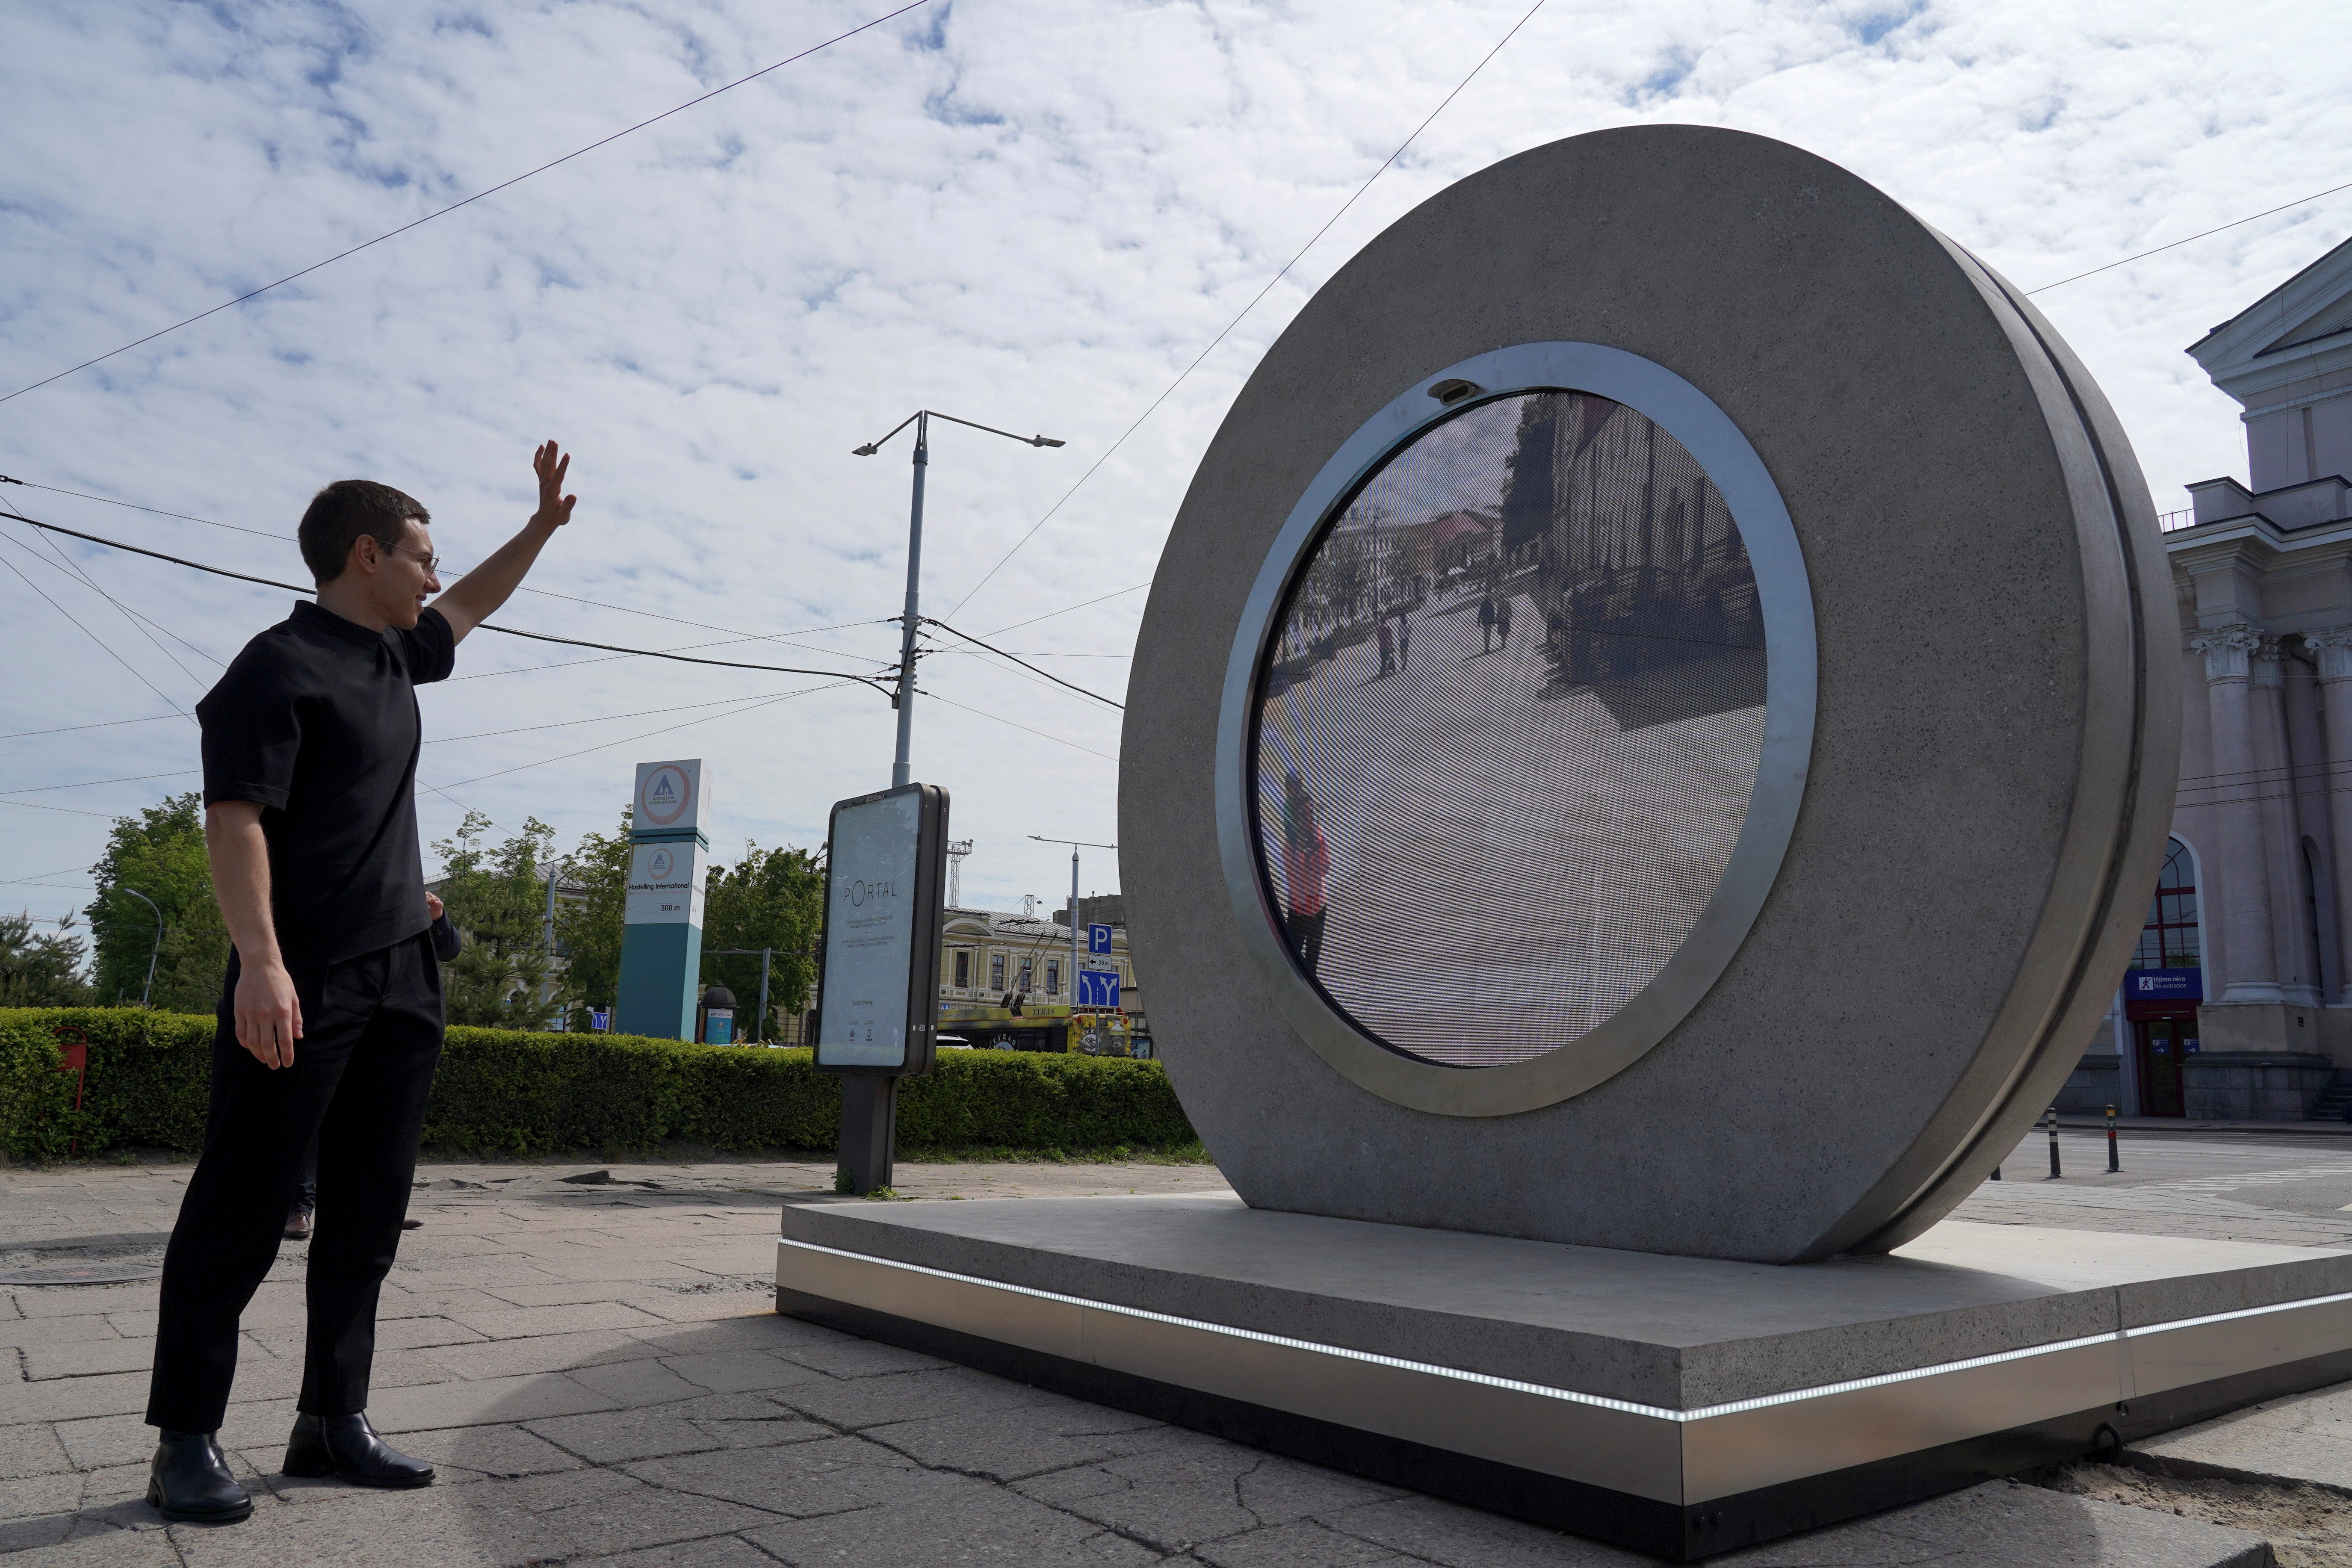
{"x": 1004, "y": 984}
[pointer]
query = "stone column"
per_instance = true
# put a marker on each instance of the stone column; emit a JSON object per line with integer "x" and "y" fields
{"x": 2297, "y": 959}
{"x": 2306, "y": 748}
{"x": 2244, "y": 876}
{"x": 2334, "y": 648}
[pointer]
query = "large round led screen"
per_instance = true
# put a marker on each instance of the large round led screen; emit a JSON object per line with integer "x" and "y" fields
{"x": 1509, "y": 724}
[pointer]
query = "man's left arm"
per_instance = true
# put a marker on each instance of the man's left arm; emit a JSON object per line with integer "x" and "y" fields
{"x": 475, "y": 596}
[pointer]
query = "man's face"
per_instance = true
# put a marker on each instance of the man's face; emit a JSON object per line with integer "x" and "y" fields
{"x": 405, "y": 578}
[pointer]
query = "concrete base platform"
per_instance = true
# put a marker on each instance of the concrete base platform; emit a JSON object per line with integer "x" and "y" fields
{"x": 1681, "y": 1407}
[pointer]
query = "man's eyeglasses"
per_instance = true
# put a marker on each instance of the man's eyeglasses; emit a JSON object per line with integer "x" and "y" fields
{"x": 432, "y": 563}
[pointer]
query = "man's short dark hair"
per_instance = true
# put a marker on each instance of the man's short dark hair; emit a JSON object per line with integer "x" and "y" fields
{"x": 345, "y": 510}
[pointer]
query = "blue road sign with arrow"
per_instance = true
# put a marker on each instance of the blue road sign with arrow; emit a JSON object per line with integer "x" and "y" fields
{"x": 1097, "y": 987}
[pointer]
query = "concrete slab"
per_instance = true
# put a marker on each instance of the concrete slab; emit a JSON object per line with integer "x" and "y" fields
{"x": 1681, "y": 1405}
{"x": 1677, "y": 1332}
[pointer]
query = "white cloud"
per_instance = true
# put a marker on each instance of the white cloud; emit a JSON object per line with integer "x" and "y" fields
{"x": 1032, "y": 213}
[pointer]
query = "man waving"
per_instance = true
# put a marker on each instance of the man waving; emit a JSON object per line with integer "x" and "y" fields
{"x": 331, "y": 1014}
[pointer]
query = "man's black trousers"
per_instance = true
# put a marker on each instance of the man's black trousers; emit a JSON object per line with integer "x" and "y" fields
{"x": 370, "y": 1037}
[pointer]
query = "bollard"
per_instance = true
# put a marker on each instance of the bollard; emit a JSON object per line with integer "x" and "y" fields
{"x": 2051, "y": 1119}
{"x": 2114, "y": 1161}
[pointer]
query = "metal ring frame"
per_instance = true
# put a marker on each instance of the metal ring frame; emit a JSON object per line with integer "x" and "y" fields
{"x": 1785, "y": 595}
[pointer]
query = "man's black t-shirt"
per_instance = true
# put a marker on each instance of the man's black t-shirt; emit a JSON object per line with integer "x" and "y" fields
{"x": 315, "y": 722}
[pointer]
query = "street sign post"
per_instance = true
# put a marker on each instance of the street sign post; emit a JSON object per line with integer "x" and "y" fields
{"x": 1098, "y": 988}
{"x": 661, "y": 932}
{"x": 879, "y": 987}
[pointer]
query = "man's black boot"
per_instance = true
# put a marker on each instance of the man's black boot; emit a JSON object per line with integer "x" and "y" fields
{"x": 191, "y": 1484}
{"x": 347, "y": 1446}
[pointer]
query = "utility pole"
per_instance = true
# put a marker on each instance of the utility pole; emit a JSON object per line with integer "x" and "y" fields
{"x": 911, "y": 619}
{"x": 870, "y": 1100}
{"x": 1075, "y": 845}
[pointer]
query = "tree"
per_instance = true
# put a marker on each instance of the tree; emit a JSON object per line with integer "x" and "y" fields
{"x": 498, "y": 899}
{"x": 160, "y": 853}
{"x": 41, "y": 969}
{"x": 772, "y": 899}
{"x": 588, "y": 934}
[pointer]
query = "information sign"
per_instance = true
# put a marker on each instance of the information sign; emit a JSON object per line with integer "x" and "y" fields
{"x": 1097, "y": 987}
{"x": 885, "y": 873}
{"x": 1097, "y": 938}
{"x": 2164, "y": 986}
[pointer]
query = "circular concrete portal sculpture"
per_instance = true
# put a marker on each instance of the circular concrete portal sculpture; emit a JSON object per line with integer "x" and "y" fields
{"x": 1654, "y": 726}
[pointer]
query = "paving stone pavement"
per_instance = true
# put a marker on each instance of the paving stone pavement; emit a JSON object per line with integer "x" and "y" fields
{"x": 591, "y": 1356}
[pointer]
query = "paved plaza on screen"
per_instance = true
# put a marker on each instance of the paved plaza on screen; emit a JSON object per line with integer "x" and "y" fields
{"x": 1523, "y": 879}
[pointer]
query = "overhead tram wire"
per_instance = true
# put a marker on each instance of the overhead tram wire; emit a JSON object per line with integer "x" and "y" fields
{"x": 930, "y": 621}
{"x": 1049, "y": 614}
{"x": 75, "y": 573}
{"x": 446, "y": 740}
{"x": 486, "y": 625}
{"x": 2175, "y": 244}
{"x": 70, "y": 729}
{"x": 1245, "y": 309}
{"x": 93, "y": 637}
{"x": 1024, "y": 729}
{"x": 783, "y": 637}
{"x": 478, "y": 196}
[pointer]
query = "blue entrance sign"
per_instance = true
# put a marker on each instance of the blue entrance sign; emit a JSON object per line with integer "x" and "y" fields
{"x": 1097, "y": 987}
{"x": 1097, "y": 938}
{"x": 2164, "y": 986}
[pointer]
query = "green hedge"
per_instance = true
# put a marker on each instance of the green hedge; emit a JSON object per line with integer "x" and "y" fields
{"x": 506, "y": 1091}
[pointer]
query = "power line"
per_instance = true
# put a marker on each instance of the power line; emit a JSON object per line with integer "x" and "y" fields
{"x": 70, "y": 729}
{"x": 485, "y": 625}
{"x": 783, "y": 637}
{"x": 1024, "y": 729}
{"x": 1024, "y": 663}
{"x": 158, "y": 511}
{"x": 477, "y": 197}
{"x": 139, "y": 622}
{"x": 2233, "y": 222}
{"x": 92, "y": 635}
{"x": 436, "y": 740}
{"x": 1067, "y": 608}
{"x": 68, "y": 810}
{"x": 1245, "y": 309}
{"x": 627, "y": 740}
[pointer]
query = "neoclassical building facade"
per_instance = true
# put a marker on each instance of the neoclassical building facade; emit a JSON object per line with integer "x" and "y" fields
{"x": 2240, "y": 1001}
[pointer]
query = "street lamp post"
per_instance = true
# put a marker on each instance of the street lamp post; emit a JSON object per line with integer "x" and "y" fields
{"x": 1075, "y": 845}
{"x": 911, "y": 621}
{"x": 154, "y": 952}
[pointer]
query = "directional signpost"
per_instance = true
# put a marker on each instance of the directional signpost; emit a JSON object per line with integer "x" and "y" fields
{"x": 1098, "y": 988}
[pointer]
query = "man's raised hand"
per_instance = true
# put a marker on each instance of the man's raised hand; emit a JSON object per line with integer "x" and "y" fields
{"x": 554, "y": 507}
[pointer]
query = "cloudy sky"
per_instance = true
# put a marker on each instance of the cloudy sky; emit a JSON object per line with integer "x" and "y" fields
{"x": 1031, "y": 213}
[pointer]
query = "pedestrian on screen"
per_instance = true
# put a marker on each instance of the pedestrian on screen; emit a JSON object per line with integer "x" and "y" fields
{"x": 447, "y": 943}
{"x": 1503, "y": 620}
{"x": 1387, "y": 634}
{"x": 1486, "y": 624}
{"x": 329, "y": 1020}
{"x": 1306, "y": 861}
{"x": 1404, "y": 640}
